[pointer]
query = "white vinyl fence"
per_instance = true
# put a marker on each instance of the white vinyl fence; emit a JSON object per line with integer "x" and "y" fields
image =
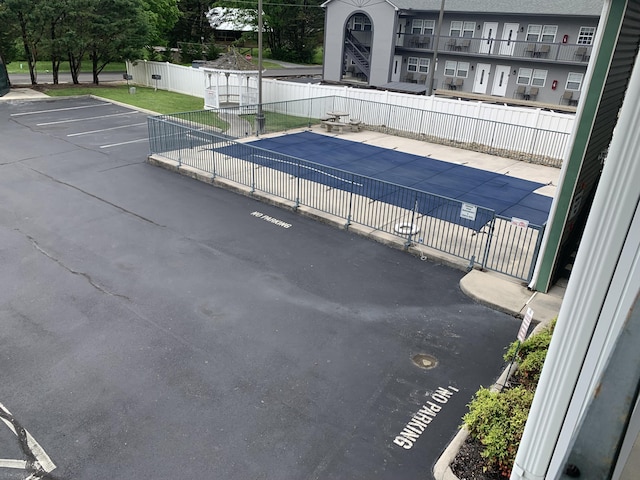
{"x": 539, "y": 139}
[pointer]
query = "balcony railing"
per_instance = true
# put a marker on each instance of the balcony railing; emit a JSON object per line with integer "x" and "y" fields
{"x": 494, "y": 47}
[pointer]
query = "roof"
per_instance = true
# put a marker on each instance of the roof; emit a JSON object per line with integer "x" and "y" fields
{"x": 232, "y": 60}
{"x": 231, "y": 19}
{"x": 578, "y": 8}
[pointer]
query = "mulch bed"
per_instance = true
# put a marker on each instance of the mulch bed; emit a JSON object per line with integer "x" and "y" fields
{"x": 469, "y": 465}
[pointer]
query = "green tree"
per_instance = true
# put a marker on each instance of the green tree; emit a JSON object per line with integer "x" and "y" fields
{"x": 192, "y": 25}
{"x": 54, "y": 13}
{"x": 122, "y": 37}
{"x": 76, "y": 38}
{"x": 292, "y": 28}
{"x": 294, "y": 31}
{"x": 28, "y": 18}
{"x": 8, "y": 35}
{"x": 162, "y": 15}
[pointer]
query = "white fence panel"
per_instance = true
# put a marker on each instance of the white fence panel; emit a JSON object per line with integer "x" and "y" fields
{"x": 192, "y": 81}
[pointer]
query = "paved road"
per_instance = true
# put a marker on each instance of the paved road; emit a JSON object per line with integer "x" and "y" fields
{"x": 154, "y": 327}
{"x": 308, "y": 72}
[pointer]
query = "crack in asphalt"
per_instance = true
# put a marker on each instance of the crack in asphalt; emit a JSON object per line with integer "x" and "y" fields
{"x": 124, "y": 210}
{"x": 32, "y": 464}
{"x": 86, "y": 276}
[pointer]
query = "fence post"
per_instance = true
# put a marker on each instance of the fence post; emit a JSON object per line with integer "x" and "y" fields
{"x": 253, "y": 173}
{"x": 407, "y": 244}
{"x": 536, "y": 251}
{"x": 346, "y": 226}
{"x": 297, "y": 186}
{"x": 213, "y": 154}
{"x": 485, "y": 257}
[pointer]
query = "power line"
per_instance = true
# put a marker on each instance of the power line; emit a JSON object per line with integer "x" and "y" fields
{"x": 302, "y": 5}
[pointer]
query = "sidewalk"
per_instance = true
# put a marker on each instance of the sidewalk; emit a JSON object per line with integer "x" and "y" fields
{"x": 17, "y": 94}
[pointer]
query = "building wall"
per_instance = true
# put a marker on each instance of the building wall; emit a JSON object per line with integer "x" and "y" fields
{"x": 508, "y": 67}
{"x": 383, "y": 19}
{"x": 561, "y": 59}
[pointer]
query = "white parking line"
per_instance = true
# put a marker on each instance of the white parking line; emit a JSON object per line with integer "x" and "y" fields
{"x": 105, "y": 129}
{"x": 43, "y": 460}
{"x": 19, "y": 464}
{"x": 124, "y": 143}
{"x": 59, "y": 109}
{"x": 85, "y": 119}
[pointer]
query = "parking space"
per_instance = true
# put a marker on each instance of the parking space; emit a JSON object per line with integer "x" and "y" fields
{"x": 156, "y": 327}
{"x": 86, "y": 122}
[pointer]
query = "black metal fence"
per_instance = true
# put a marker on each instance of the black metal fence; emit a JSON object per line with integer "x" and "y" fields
{"x": 530, "y": 144}
{"x": 419, "y": 218}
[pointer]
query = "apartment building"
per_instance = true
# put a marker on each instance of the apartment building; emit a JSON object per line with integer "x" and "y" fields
{"x": 535, "y": 50}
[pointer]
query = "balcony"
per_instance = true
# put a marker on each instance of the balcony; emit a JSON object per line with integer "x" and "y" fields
{"x": 496, "y": 48}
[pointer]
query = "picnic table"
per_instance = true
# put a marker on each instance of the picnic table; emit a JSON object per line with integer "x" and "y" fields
{"x": 334, "y": 120}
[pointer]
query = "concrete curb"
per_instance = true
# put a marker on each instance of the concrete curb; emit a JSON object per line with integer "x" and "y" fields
{"x": 442, "y": 469}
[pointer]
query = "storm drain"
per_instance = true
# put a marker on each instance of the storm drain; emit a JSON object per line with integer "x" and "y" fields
{"x": 425, "y": 361}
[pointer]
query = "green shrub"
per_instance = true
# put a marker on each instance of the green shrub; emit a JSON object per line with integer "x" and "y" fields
{"x": 318, "y": 56}
{"x": 530, "y": 356}
{"x": 496, "y": 420}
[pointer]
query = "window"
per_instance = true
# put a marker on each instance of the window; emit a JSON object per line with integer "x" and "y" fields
{"x": 585, "y": 37}
{"x": 456, "y": 69}
{"x": 539, "y": 33}
{"x": 468, "y": 29}
{"x": 549, "y": 33}
{"x": 462, "y": 70}
{"x": 524, "y": 76}
{"x": 423, "y": 27}
{"x": 533, "y": 33}
{"x": 456, "y": 29}
{"x": 415, "y": 64}
{"x": 539, "y": 78}
{"x": 450, "y": 68}
{"x": 360, "y": 23}
{"x": 574, "y": 81}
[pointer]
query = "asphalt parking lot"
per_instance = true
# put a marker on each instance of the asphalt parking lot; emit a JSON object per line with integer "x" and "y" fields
{"x": 154, "y": 327}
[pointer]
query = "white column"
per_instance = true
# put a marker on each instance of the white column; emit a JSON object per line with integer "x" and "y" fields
{"x": 551, "y": 424}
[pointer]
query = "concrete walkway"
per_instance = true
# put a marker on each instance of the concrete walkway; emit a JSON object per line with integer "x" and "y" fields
{"x": 17, "y": 94}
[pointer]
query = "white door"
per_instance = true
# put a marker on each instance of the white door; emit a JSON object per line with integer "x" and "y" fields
{"x": 509, "y": 35}
{"x": 500, "y": 80}
{"x": 395, "y": 72}
{"x": 488, "y": 37}
{"x": 482, "y": 78}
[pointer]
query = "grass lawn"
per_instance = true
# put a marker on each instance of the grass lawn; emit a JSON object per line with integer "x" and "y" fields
{"x": 279, "y": 122}
{"x": 45, "y": 66}
{"x": 159, "y": 101}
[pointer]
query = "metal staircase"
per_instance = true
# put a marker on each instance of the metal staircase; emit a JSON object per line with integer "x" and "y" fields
{"x": 358, "y": 53}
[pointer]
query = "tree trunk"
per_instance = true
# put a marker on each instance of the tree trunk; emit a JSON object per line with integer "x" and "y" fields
{"x": 55, "y": 69}
{"x": 27, "y": 49}
{"x": 55, "y": 60}
{"x": 74, "y": 67}
{"x": 94, "y": 69}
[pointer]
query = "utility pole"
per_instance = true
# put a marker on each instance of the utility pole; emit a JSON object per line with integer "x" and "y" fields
{"x": 260, "y": 115}
{"x": 432, "y": 68}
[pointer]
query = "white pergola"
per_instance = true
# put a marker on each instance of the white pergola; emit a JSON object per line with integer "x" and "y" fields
{"x": 230, "y": 88}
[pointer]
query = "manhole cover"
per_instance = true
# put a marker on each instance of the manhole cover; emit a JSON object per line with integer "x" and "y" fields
{"x": 425, "y": 361}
